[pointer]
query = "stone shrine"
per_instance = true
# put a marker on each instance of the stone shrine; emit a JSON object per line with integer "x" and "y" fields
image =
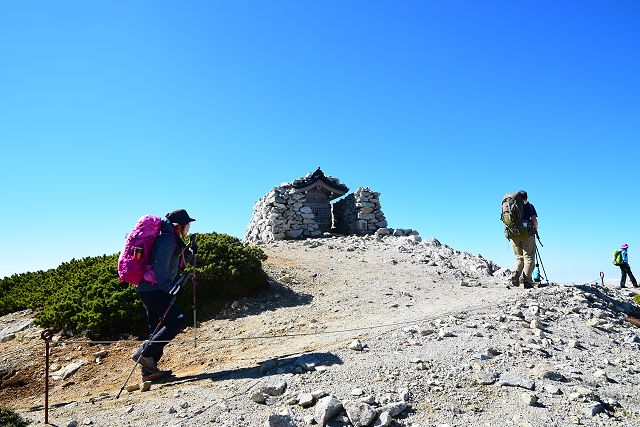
{"x": 303, "y": 209}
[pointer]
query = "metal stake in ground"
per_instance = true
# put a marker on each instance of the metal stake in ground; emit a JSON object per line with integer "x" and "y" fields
{"x": 46, "y": 335}
{"x": 173, "y": 292}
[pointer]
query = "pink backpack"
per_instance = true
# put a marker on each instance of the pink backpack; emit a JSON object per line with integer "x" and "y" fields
{"x": 134, "y": 263}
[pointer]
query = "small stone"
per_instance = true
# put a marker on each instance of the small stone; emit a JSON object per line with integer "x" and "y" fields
{"x": 369, "y": 400}
{"x": 511, "y": 380}
{"x": 72, "y": 423}
{"x": 552, "y": 389}
{"x": 600, "y": 374}
{"x": 536, "y": 324}
{"x": 327, "y": 408}
{"x": 360, "y": 414}
{"x": 132, "y": 387}
{"x": 318, "y": 394}
{"x": 128, "y": 410}
{"x": 274, "y": 387}
{"x": 259, "y": 398}
{"x": 529, "y": 398}
{"x": 277, "y": 420}
{"x": 357, "y": 392}
{"x": 172, "y": 410}
{"x": 395, "y": 408}
{"x": 356, "y": 345}
{"x": 443, "y": 333}
{"x": 7, "y": 337}
{"x": 404, "y": 394}
{"x": 100, "y": 354}
{"x": 146, "y": 386}
{"x": 383, "y": 420}
{"x": 306, "y": 400}
{"x": 486, "y": 377}
{"x": 184, "y": 405}
{"x": 595, "y": 409}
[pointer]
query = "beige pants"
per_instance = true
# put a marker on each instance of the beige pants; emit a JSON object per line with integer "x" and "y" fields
{"x": 525, "y": 250}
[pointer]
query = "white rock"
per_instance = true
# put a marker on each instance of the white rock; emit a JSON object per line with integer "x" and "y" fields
{"x": 360, "y": 414}
{"x": 274, "y": 387}
{"x": 356, "y": 345}
{"x": 327, "y": 408}
{"x": 529, "y": 398}
{"x": 357, "y": 392}
{"x": 383, "y": 420}
{"x": 306, "y": 400}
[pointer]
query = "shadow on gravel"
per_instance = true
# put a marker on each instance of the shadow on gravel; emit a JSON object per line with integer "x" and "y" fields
{"x": 274, "y": 296}
{"x": 619, "y": 306}
{"x": 266, "y": 368}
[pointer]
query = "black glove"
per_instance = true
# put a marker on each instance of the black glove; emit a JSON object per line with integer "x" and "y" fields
{"x": 182, "y": 279}
{"x": 189, "y": 256}
{"x": 192, "y": 244}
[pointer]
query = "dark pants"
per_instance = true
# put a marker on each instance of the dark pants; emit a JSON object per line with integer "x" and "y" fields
{"x": 626, "y": 269}
{"x": 156, "y": 302}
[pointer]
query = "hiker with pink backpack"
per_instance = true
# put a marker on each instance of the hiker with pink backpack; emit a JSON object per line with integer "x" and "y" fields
{"x": 152, "y": 260}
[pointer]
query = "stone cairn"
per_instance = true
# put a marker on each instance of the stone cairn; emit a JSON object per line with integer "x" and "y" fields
{"x": 284, "y": 214}
{"x": 359, "y": 213}
{"x": 281, "y": 214}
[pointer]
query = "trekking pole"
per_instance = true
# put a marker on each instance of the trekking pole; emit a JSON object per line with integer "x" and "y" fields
{"x": 538, "y": 237}
{"x": 545, "y": 271}
{"x": 174, "y": 293}
{"x": 194, "y": 247}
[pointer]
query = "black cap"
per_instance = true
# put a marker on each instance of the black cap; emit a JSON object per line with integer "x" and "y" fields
{"x": 179, "y": 216}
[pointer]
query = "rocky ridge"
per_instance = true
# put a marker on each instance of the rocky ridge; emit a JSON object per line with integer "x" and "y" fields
{"x": 432, "y": 337}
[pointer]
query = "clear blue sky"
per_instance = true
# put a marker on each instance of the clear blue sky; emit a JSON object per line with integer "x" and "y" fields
{"x": 113, "y": 109}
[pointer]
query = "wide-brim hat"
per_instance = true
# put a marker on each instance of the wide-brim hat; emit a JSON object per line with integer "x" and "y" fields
{"x": 179, "y": 216}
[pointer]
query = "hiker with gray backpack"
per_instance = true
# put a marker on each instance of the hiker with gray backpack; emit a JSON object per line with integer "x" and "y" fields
{"x": 520, "y": 227}
{"x": 621, "y": 259}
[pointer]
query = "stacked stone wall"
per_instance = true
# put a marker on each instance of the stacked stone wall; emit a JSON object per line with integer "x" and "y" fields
{"x": 281, "y": 214}
{"x": 359, "y": 213}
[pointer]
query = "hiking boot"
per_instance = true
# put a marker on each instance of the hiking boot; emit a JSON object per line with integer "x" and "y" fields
{"x": 155, "y": 375}
{"x": 527, "y": 285}
{"x": 515, "y": 279}
{"x": 146, "y": 362}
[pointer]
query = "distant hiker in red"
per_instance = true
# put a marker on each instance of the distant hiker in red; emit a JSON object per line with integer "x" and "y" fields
{"x": 625, "y": 268}
{"x": 167, "y": 259}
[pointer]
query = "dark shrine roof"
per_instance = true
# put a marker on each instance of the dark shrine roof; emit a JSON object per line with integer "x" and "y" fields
{"x": 319, "y": 179}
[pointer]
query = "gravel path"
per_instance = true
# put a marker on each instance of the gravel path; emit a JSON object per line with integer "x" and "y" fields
{"x": 400, "y": 332}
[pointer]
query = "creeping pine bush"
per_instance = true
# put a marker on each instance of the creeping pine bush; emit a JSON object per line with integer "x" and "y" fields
{"x": 85, "y": 295}
{"x": 10, "y": 418}
{"x": 226, "y": 268}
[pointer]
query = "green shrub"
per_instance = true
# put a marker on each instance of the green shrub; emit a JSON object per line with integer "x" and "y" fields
{"x": 227, "y": 268}
{"x": 10, "y": 418}
{"x": 85, "y": 295}
{"x": 636, "y": 299}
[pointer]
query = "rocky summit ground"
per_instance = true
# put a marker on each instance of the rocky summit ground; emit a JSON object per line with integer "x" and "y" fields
{"x": 359, "y": 331}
